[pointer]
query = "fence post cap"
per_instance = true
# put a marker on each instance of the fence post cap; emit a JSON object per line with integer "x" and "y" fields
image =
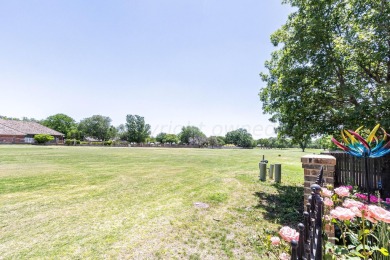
{"x": 301, "y": 226}
{"x": 315, "y": 188}
{"x": 294, "y": 243}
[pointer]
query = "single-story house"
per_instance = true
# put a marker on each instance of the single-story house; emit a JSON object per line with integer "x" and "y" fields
{"x": 21, "y": 132}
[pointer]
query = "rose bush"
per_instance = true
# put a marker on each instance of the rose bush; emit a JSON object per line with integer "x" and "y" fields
{"x": 363, "y": 229}
{"x": 342, "y": 191}
{"x": 288, "y": 234}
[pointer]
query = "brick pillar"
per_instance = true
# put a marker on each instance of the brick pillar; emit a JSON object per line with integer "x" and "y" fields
{"x": 312, "y": 164}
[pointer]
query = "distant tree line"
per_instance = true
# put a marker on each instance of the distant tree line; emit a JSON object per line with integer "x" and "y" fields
{"x": 282, "y": 142}
{"x": 98, "y": 128}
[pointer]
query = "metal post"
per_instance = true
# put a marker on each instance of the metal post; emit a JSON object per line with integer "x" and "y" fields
{"x": 367, "y": 180}
{"x": 271, "y": 171}
{"x": 294, "y": 249}
{"x": 278, "y": 173}
{"x": 301, "y": 244}
{"x": 319, "y": 228}
{"x": 307, "y": 234}
{"x": 263, "y": 170}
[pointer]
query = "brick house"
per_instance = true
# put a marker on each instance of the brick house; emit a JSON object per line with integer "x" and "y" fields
{"x": 22, "y": 132}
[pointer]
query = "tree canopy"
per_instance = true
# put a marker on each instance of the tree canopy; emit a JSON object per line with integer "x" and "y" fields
{"x": 192, "y": 135}
{"x": 60, "y": 122}
{"x": 216, "y": 141}
{"x": 167, "y": 138}
{"x": 98, "y": 127}
{"x": 239, "y": 137}
{"x": 136, "y": 129}
{"x": 331, "y": 68}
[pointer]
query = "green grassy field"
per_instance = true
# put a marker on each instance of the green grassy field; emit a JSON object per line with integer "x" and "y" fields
{"x": 138, "y": 203}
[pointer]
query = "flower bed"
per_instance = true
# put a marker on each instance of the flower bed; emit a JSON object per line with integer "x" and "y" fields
{"x": 362, "y": 230}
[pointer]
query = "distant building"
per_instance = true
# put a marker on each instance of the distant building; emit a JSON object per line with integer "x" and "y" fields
{"x": 22, "y": 132}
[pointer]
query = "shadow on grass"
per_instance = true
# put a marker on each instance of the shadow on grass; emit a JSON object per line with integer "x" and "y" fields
{"x": 285, "y": 207}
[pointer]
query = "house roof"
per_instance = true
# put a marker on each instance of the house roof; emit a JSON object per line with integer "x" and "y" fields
{"x": 13, "y": 127}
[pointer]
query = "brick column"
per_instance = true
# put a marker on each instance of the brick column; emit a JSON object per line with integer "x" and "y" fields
{"x": 311, "y": 164}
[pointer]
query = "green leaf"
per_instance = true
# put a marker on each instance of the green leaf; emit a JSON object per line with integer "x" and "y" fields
{"x": 328, "y": 257}
{"x": 344, "y": 251}
{"x": 384, "y": 251}
{"x": 359, "y": 247}
{"x": 354, "y": 258}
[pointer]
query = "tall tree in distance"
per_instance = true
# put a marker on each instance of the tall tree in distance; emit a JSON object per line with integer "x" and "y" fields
{"x": 331, "y": 70}
{"x": 97, "y": 126}
{"x": 136, "y": 129}
{"x": 239, "y": 137}
{"x": 192, "y": 135}
{"x": 61, "y": 123}
{"x": 171, "y": 139}
{"x": 167, "y": 138}
{"x": 216, "y": 141}
{"x": 161, "y": 138}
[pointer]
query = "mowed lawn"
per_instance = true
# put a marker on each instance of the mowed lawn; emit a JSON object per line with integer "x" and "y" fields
{"x": 138, "y": 203}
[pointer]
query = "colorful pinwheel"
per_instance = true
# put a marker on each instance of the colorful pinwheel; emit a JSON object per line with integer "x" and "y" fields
{"x": 371, "y": 147}
{"x": 356, "y": 145}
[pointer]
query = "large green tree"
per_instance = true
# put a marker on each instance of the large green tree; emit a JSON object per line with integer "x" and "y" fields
{"x": 239, "y": 137}
{"x": 192, "y": 135}
{"x": 167, "y": 138}
{"x": 161, "y": 137}
{"x": 60, "y": 122}
{"x": 171, "y": 138}
{"x": 331, "y": 68}
{"x": 98, "y": 127}
{"x": 136, "y": 129}
{"x": 216, "y": 141}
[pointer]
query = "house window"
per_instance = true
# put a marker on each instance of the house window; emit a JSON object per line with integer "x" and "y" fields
{"x": 29, "y": 140}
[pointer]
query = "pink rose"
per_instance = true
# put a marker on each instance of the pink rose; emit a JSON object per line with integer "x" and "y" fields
{"x": 349, "y": 187}
{"x": 289, "y": 234}
{"x": 361, "y": 196}
{"x": 326, "y": 192}
{"x": 328, "y": 202}
{"x": 375, "y": 199}
{"x": 284, "y": 256}
{"x": 341, "y": 213}
{"x": 275, "y": 241}
{"x": 327, "y": 218}
{"x": 342, "y": 191}
{"x": 348, "y": 203}
{"x": 379, "y": 213}
{"x": 356, "y": 210}
{"x": 367, "y": 214}
{"x": 387, "y": 200}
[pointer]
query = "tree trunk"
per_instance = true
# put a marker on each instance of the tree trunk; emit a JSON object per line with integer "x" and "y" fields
{"x": 303, "y": 146}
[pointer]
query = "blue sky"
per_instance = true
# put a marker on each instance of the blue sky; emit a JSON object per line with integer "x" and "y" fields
{"x": 175, "y": 62}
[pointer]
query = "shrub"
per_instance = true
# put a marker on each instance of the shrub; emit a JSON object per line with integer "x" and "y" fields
{"x": 108, "y": 143}
{"x": 43, "y": 138}
{"x": 72, "y": 142}
{"x": 362, "y": 230}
